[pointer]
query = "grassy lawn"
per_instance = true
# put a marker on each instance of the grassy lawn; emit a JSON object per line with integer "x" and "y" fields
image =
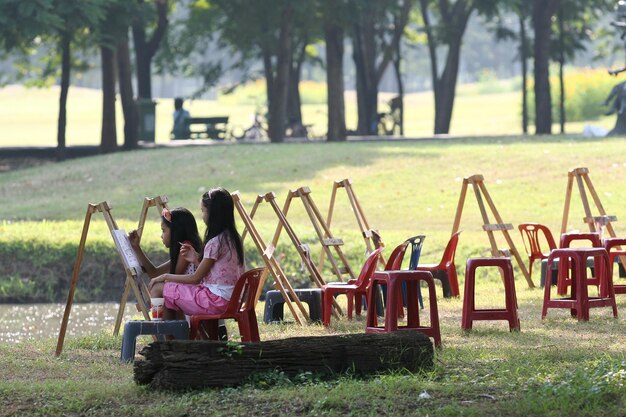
{"x": 30, "y": 118}
{"x": 553, "y": 367}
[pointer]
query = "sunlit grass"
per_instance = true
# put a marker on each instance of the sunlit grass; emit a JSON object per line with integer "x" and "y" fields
{"x": 30, "y": 116}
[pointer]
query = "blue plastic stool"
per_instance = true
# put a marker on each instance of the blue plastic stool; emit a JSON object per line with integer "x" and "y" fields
{"x": 179, "y": 329}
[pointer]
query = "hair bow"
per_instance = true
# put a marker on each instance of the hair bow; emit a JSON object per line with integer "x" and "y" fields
{"x": 167, "y": 215}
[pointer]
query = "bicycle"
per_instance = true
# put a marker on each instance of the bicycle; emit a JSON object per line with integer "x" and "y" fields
{"x": 258, "y": 130}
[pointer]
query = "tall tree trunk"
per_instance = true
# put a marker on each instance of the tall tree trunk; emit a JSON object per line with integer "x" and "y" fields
{"x": 108, "y": 141}
{"x": 126, "y": 94}
{"x": 446, "y": 89}
{"x": 523, "y": 58}
{"x": 278, "y": 106}
{"x": 561, "y": 79}
{"x": 366, "y": 80}
{"x": 397, "y": 57}
{"x": 396, "y": 67}
{"x": 444, "y": 86}
{"x": 333, "y": 35}
{"x": 294, "y": 101}
{"x": 146, "y": 48}
{"x": 65, "y": 45}
{"x": 268, "y": 71}
{"x": 543, "y": 10}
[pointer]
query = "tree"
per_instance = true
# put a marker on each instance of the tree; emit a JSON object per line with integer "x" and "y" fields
{"x": 334, "y": 19}
{"x": 77, "y": 18}
{"x": 376, "y": 30}
{"x": 503, "y": 31}
{"x": 253, "y": 30}
{"x": 445, "y": 23}
{"x": 111, "y": 31}
{"x": 543, "y": 11}
{"x": 577, "y": 25}
{"x": 147, "y": 46}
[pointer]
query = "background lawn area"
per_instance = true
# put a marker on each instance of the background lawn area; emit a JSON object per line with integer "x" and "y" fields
{"x": 553, "y": 367}
{"x": 30, "y": 115}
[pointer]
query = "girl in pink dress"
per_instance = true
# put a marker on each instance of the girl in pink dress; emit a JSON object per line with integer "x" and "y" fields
{"x": 208, "y": 289}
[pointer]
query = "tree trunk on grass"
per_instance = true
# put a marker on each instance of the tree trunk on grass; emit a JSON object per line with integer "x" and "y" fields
{"x": 108, "y": 141}
{"x": 146, "y": 48}
{"x": 523, "y": 57}
{"x": 182, "y": 365}
{"x": 126, "y": 94}
{"x": 333, "y": 34}
{"x": 278, "y": 99}
{"x": 65, "y": 86}
{"x": 543, "y": 10}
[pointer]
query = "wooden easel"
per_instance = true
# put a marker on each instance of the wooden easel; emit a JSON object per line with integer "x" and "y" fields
{"x": 603, "y": 220}
{"x": 305, "y": 256}
{"x": 477, "y": 182}
{"x": 132, "y": 276}
{"x": 372, "y": 237}
{"x": 322, "y": 230}
{"x": 160, "y": 202}
{"x": 281, "y": 282}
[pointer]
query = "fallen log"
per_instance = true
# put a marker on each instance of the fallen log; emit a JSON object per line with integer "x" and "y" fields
{"x": 183, "y": 364}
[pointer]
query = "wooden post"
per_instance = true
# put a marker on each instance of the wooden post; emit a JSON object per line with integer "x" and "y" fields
{"x": 480, "y": 190}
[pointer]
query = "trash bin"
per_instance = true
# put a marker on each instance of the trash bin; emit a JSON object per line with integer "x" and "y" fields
{"x": 146, "y": 111}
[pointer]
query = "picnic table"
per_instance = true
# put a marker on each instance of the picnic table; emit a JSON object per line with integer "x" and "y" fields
{"x": 208, "y": 127}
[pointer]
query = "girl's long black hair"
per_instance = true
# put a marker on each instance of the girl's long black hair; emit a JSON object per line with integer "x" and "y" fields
{"x": 221, "y": 210}
{"x": 183, "y": 228}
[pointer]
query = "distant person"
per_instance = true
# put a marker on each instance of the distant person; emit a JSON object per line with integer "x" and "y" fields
{"x": 181, "y": 128}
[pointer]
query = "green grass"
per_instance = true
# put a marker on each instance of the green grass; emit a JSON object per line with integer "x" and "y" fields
{"x": 30, "y": 116}
{"x": 553, "y": 367}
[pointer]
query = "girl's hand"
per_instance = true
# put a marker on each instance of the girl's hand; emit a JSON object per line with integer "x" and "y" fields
{"x": 153, "y": 281}
{"x": 188, "y": 253}
{"x": 133, "y": 238}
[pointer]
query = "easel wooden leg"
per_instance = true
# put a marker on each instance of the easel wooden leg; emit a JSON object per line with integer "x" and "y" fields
{"x": 91, "y": 208}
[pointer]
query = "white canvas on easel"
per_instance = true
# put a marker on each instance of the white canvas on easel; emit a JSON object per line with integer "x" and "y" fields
{"x": 126, "y": 250}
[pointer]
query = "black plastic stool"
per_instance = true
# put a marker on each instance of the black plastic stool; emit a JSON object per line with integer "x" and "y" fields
{"x": 274, "y": 304}
{"x": 179, "y": 329}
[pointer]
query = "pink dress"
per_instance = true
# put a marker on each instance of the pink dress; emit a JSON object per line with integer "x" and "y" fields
{"x": 211, "y": 296}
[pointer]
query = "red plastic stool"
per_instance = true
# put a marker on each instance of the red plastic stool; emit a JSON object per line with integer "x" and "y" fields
{"x": 394, "y": 280}
{"x": 579, "y": 301}
{"x": 469, "y": 311}
{"x": 610, "y": 246}
{"x": 566, "y": 239}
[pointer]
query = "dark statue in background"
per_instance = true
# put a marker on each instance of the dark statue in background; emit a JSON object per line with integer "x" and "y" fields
{"x": 617, "y": 97}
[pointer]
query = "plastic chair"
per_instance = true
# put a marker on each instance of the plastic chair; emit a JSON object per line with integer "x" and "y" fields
{"x": 611, "y": 245}
{"x": 240, "y": 308}
{"x": 394, "y": 263}
{"x": 354, "y": 289}
{"x": 532, "y": 243}
{"x": 566, "y": 240}
{"x": 445, "y": 270}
